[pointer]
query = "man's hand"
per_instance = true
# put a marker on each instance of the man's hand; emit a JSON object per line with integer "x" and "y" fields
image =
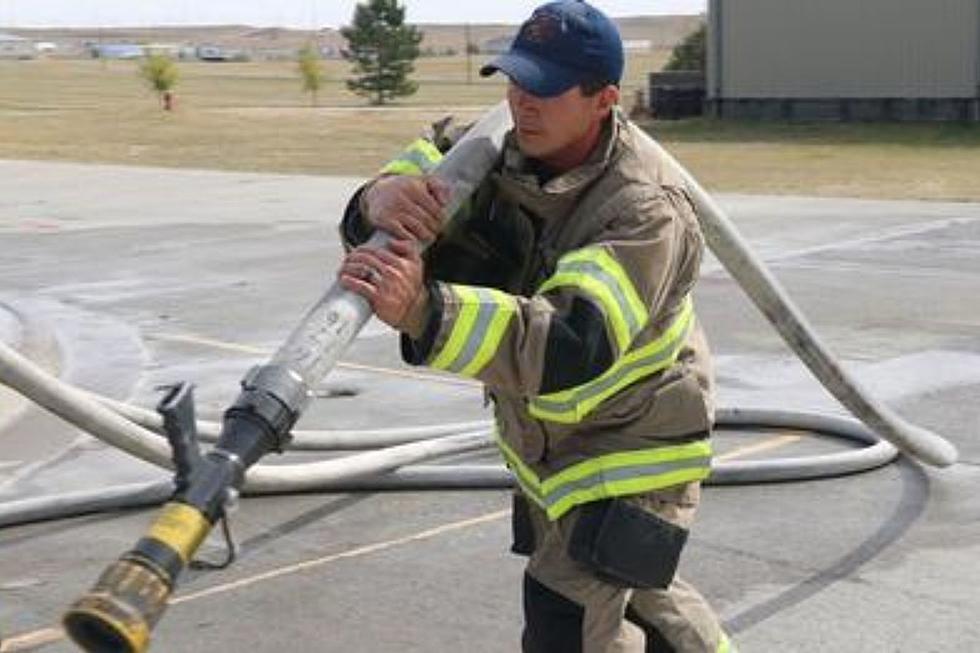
{"x": 407, "y": 207}
{"x": 392, "y": 282}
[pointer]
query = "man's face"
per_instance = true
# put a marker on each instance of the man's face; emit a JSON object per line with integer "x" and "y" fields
{"x": 548, "y": 126}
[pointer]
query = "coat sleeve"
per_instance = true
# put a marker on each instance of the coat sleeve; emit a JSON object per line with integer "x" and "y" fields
{"x": 583, "y": 320}
{"x": 420, "y": 157}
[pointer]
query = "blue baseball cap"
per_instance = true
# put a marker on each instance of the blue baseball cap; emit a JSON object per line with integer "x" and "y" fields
{"x": 561, "y": 45}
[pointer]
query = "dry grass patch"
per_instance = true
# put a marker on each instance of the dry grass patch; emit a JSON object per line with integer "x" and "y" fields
{"x": 254, "y": 116}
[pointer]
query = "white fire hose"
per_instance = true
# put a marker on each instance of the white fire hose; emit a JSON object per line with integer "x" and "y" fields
{"x": 317, "y": 343}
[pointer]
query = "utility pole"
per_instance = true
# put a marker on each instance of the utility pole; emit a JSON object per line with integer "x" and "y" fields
{"x": 469, "y": 54}
{"x": 316, "y": 29}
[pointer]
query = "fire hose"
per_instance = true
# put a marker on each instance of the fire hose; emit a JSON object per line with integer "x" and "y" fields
{"x": 128, "y": 599}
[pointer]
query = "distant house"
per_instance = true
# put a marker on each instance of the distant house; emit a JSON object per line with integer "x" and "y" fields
{"x": 497, "y": 45}
{"x": 218, "y": 53}
{"x": 16, "y": 47}
{"x": 117, "y": 51}
{"x": 212, "y": 53}
{"x": 166, "y": 49}
{"x": 637, "y": 45}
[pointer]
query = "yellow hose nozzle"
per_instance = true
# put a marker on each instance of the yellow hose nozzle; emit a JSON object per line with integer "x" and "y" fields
{"x": 117, "y": 614}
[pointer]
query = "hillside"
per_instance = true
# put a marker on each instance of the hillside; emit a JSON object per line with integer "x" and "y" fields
{"x": 657, "y": 31}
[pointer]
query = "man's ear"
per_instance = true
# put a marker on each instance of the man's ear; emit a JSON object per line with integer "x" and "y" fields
{"x": 608, "y": 98}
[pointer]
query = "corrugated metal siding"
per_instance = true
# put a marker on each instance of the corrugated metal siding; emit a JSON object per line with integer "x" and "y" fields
{"x": 847, "y": 48}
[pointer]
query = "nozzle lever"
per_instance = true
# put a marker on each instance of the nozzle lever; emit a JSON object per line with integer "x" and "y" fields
{"x": 177, "y": 410}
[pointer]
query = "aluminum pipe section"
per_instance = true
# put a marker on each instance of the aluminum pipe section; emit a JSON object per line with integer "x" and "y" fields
{"x": 316, "y": 345}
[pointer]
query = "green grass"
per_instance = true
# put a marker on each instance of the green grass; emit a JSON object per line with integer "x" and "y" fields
{"x": 254, "y": 116}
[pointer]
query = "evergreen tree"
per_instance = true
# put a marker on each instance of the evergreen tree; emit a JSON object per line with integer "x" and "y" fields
{"x": 382, "y": 49}
{"x": 690, "y": 54}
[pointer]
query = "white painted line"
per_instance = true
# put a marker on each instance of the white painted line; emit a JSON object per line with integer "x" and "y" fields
{"x": 343, "y": 555}
{"x": 35, "y": 639}
{"x": 31, "y": 641}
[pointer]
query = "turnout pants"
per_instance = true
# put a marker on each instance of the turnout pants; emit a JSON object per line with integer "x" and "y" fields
{"x": 576, "y": 600}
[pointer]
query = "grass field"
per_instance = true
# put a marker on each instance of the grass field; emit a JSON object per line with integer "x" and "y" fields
{"x": 253, "y": 116}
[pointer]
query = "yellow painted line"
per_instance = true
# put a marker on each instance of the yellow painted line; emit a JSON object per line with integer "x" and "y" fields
{"x": 766, "y": 445}
{"x": 249, "y": 349}
{"x": 343, "y": 555}
{"x": 33, "y": 640}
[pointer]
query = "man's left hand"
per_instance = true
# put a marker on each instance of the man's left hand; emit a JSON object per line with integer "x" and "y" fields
{"x": 391, "y": 280}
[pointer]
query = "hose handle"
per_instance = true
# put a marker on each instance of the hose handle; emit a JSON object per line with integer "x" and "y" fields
{"x": 177, "y": 410}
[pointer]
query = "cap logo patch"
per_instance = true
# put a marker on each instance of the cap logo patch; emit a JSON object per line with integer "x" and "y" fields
{"x": 542, "y": 27}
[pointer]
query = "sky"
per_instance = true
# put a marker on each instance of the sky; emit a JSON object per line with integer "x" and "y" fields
{"x": 290, "y": 13}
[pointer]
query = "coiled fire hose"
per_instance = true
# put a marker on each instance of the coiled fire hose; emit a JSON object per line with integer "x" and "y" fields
{"x": 128, "y": 599}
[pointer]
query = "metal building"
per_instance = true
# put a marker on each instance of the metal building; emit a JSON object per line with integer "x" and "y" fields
{"x": 844, "y": 59}
{"x": 16, "y": 47}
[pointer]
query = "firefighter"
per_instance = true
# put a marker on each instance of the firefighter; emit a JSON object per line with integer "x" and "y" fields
{"x": 564, "y": 285}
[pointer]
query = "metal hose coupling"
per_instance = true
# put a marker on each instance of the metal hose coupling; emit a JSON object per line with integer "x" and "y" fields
{"x": 118, "y": 613}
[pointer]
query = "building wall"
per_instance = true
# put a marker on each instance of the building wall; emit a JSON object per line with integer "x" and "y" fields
{"x": 831, "y": 49}
{"x": 16, "y": 48}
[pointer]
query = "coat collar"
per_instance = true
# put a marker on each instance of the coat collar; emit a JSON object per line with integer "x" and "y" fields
{"x": 555, "y": 198}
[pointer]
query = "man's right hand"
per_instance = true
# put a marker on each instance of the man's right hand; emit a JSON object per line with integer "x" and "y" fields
{"x": 407, "y": 206}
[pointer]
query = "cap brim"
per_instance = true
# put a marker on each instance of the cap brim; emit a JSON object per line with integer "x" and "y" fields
{"x": 533, "y": 74}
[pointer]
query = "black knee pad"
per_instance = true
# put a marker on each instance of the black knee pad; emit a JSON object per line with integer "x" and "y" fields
{"x": 552, "y": 623}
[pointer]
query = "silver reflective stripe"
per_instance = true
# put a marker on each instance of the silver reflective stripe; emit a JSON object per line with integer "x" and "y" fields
{"x": 597, "y": 272}
{"x": 616, "y": 474}
{"x": 478, "y": 332}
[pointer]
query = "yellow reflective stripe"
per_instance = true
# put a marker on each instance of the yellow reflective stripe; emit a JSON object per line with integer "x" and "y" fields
{"x": 426, "y": 149}
{"x": 401, "y": 167}
{"x": 616, "y": 474}
{"x": 483, "y": 317}
{"x": 725, "y": 644}
{"x": 628, "y": 487}
{"x": 665, "y": 454}
{"x": 525, "y": 476}
{"x": 611, "y": 265}
{"x": 461, "y": 326}
{"x": 625, "y": 473}
{"x": 505, "y": 308}
{"x": 603, "y": 294}
{"x": 419, "y": 157}
{"x": 572, "y": 405}
{"x": 597, "y": 273}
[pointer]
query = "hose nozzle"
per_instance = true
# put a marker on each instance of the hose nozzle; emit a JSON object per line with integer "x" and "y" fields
{"x": 117, "y": 614}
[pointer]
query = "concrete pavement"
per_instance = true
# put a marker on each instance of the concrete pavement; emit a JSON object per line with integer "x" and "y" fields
{"x": 148, "y": 276}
